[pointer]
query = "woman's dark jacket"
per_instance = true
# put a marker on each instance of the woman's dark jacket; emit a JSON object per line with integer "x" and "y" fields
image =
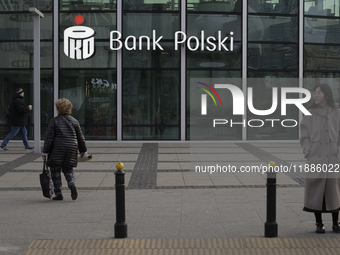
{"x": 17, "y": 111}
{"x": 62, "y": 141}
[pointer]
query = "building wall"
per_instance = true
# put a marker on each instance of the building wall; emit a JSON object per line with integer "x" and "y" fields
{"x": 144, "y": 94}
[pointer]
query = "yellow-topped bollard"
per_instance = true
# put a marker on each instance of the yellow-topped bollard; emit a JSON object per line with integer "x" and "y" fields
{"x": 120, "y": 166}
{"x": 271, "y": 163}
{"x": 120, "y": 225}
{"x": 271, "y": 227}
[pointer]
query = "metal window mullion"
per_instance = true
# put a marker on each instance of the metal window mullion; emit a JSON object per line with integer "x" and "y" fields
{"x": 119, "y": 73}
{"x": 301, "y": 11}
{"x": 183, "y": 74}
{"x": 244, "y": 62}
{"x": 55, "y": 53}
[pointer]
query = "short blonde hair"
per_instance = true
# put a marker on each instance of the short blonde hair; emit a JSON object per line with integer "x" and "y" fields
{"x": 64, "y": 106}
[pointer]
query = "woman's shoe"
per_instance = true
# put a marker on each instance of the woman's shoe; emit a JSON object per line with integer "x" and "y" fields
{"x": 320, "y": 229}
{"x": 74, "y": 193}
{"x": 58, "y": 197}
{"x": 336, "y": 227}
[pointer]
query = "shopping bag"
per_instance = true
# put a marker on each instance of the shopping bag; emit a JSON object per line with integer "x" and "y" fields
{"x": 46, "y": 182}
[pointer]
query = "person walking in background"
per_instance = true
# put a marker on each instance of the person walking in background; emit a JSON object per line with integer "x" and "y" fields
{"x": 320, "y": 143}
{"x": 17, "y": 113}
{"x": 62, "y": 141}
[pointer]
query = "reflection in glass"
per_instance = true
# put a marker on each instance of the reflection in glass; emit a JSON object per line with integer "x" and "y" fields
{"x": 93, "y": 95}
{"x": 20, "y": 27}
{"x": 151, "y": 5}
{"x": 215, "y": 6}
{"x": 321, "y": 57}
{"x": 270, "y": 127}
{"x": 101, "y": 23}
{"x": 272, "y": 56}
{"x": 164, "y": 24}
{"x": 151, "y": 98}
{"x": 212, "y": 23}
{"x": 20, "y": 54}
{"x": 321, "y": 75}
{"x": 42, "y": 5}
{"x": 322, "y": 7}
{"x": 166, "y": 58}
{"x": 103, "y": 57}
{"x": 273, "y": 28}
{"x": 93, "y": 5}
{"x": 322, "y": 30}
{"x": 268, "y": 74}
{"x": 215, "y": 59}
{"x": 273, "y": 6}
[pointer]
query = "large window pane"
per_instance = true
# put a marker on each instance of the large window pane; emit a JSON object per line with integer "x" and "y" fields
{"x": 322, "y": 7}
{"x": 20, "y": 54}
{"x": 215, "y": 6}
{"x": 103, "y": 57}
{"x": 151, "y": 133}
{"x": 270, "y": 127}
{"x": 321, "y": 57}
{"x": 42, "y": 5}
{"x": 201, "y": 127}
{"x": 213, "y": 74}
{"x": 166, "y": 58}
{"x": 93, "y": 95}
{"x": 215, "y": 59}
{"x": 137, "y": 24}
{"x": 273, "y": 6}
{"x": 20, "y": 27}
{"x": 151, "y": 5}
{"x": 272, "y": 56}
{"x": 151, "y": 98}
{"x": 12, "y": 79}
{"x": 212, "y": 23}
{"x": 322, "y": 30}
{"x": 101, "y": 23}
{"x": 273, "y": 28}
{"x": 94, "y": 5}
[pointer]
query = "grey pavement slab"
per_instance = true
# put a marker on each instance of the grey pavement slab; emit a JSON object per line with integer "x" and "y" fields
{"x": 164, "y": 200}
{"x": 155, "y": 214}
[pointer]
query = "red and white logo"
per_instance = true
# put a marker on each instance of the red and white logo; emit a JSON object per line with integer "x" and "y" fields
{"x": 79, "y": 40}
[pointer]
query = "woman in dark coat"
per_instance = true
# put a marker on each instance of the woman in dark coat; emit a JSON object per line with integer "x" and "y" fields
{"x": 62, "y": 141}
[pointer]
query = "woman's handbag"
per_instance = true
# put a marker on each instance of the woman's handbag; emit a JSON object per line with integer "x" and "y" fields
{"x": 46, "y": 182}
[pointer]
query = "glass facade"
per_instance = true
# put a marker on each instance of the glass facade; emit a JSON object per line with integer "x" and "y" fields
{"x": 142, "y": 90}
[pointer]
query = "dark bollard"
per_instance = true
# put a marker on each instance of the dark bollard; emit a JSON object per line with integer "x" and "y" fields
{"x": 270, "y": 227}
{"x": 120, "y": 225}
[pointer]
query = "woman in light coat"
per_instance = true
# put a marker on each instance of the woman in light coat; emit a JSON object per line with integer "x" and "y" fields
{"x": 320, "y": 143}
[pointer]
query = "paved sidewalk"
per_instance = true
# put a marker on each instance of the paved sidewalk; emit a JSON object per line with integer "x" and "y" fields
{"x": 166, "y": 203}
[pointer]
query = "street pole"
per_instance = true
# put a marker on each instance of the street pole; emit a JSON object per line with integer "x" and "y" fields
{"x": 36, "y": 77}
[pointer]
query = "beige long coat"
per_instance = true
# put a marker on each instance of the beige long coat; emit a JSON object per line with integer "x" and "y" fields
{"x": 320, "y": 144}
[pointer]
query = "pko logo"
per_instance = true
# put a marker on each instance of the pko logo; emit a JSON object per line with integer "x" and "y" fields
{"x": 79, "y": 40}
{"x": 238, "y": 100}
